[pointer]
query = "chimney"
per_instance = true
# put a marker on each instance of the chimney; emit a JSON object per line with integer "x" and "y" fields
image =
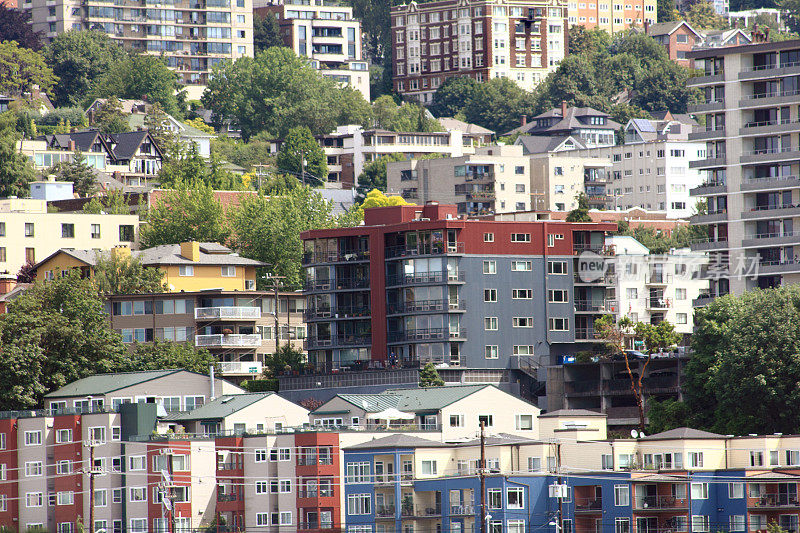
{"x": 72, "y": 146}
{"x": 7, "y": 284}
{"x": 646, "y": 26}
{"x": 36, "y": 93}
{"x": 563, "y": 108}
{"x": 122, "y": 251}
{"x": 524, "y": 119}
{"x": 191, "y": 250}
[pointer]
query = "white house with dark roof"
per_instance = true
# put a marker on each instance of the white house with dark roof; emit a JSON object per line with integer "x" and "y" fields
{"x": 593, "y": 127}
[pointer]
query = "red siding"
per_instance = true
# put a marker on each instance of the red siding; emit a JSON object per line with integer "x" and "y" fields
{"x": 72, "y": 482}
{"x": 10, "y": 489}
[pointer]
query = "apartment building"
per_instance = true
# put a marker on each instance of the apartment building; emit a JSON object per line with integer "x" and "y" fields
{"x": 558, "y": 178}
{"x": 612, "y": 17}
{"x": 495, "y": 179}
{"x": 29, "y": 233}
{"x": 519, "y": 40}
{"x": 349, "y": 148}
{"x": 192, "y": 36}
{"x": 188, "y": 266}
{"x": 653, "y": 169}
{"x": 327, "y": 34}
{"x": 236, "y": 326}
{"x": 418, "y": 284}
{"x": 751, "y": 160}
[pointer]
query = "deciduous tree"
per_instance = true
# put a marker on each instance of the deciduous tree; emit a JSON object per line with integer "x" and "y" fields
{"x": 15, "y": 26}
{"x": 266, "y": 32}
{"x": 109, "y": 117}
{"x": 114, "y": 274}
{"x": 21, "y": 69}
{"x": 159, "y": 355}
{"x": 298, "y": 147}
{"x": 580, "y": 213}
{"x": 452, "y": 95}
{"x": 142, "y": 76}
{"x": 16, "y": 171}
{"x": 374, "y": 174}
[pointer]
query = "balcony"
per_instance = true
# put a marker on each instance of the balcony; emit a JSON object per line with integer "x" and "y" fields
{"x": 709, "y": 244}
{"x": 770, "y": 183}
{"x": 462, "y": 509}
{"x": 426, "y": 334}
{"x": 583, "y": 388}
{"x": 334, "y": 257}
{"x": 779, "y": 267}
{"x": 772, "y": 127}
{"x": 767, "y": 155}
{"x": 710, "y": 218}
{"x": 588, "y": 505}
{"x": 343, "y": 311}
{"x": 229, "y": 368}
{"x": 769, "y": 99}
{"x": 709, "y": 162}
{"x": 385, "y": 511}
{"x": 481, "y": 196}
{"x": 599, "y": 249}
{"x": 426, "y": 306}
{"x": 708, "y": 188}
{"x": 769, "y": 71}
{"x": 586, "y": 334}
{"x": 609, "y": 278}
{"x": 313, "y": 343}
{"x": 771, "y": 211}
{"x": 718, "y": 133}
{"x": 428, "y": 511}
{"x": 423, "y": 278}
{"x": 227, "y": 313}
{"x": 227, "y": 341}
{"x": 393, "y": 252}
{"x": 337, "y": 284}
{"x": 714, "y": 105}
{"x": 658, "y": 304}
{"x": 758, "y": 240}
{"x": 221, "y": 497}
{"x": 707, "y": 79}
{"x": 595, "y": 306}
{"x": 658, "y": 278}
{"x": 774, "y": 501}
{"x": 655, "y": 503}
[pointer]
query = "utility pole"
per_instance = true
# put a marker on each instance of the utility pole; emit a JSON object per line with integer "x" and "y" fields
{"x": 560, "y": 499}
{"x": 482, "y": 475}
{"x": 275, "y": 286}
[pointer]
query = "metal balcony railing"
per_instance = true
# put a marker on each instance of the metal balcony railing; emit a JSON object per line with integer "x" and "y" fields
{"x": 227, "y": 313}
{"x": 426, "y": 305}
{"x": 228, "y": 340}
{"x": 661, "y": 502}
{"x": 426, "y": 334}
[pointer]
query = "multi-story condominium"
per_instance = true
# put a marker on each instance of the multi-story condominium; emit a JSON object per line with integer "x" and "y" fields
{"x": 349, "y": 148}
{"x": 522, "y": 40}
{"x": 236, "y": 326}
{"x": 590, "y": 127}
{"x": 418, "y": 284}
{"x": 193, "y": 35}
{"x": 611, "y": 16}
{"x": 188, "y": 266}
{"x": 29, "y": 233}
{"x": 495, "y": 179}
{"x": 559, "y": 177}
{"x": 652, "y": 288}
{"x": 327, "y": 34}
{"x": 752, "y": 160}
{"x": 653, "y": 168}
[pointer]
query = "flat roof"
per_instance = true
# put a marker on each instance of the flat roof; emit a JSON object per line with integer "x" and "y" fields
{"x": 743, "y": 49}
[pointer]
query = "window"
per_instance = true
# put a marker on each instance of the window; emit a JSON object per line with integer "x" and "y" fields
{"x": 29, "y": 229}
{"x": 456, "y": 421}
{"x": 67, "y": 231}
{"x": 285, "y": 486}
{"x": 558, "y": 324}
{"x": 699, "y": 523}
{"x": 520, "y": 237}
{"x": 495, "y": 498}
{"x": 262, "y": 519}
{"x": 622, "y": 525}
{"x": 792, "y": 457}
{"x": 557, "y": 267}
{"x": 63, "y": 467}
{"x": 699, "y": 491}
{"x": 137, "y": 462}
{"x": 63, "y": 435}
{"x": 98, "y": 434}
{"x": 429, "y": 468}
{"x": 522, "y": 321}
{"x": 695, "y": 459}
{"x": 521, "y": 294}
{"x": 33, "y": 469}
{"x": 116, "y": 495}
{"x": 773, "y": 458}
{"x": 680, "y": 294}
{"x": 138, "y": 525}
{"x": 558, "y": 296}
{"x": 486, "y": 420}
{"x": 622, "y": 495}
{"x": 34, "y": 499}
{"x": 358, "y": 472}
{"x": 488, "y": 237}
{"x": 65, "y": 498}
{"x": 521, "y": 266}
{"x": 607, "y": 461}
{"x": 534, "y": 464}
{"x": 489, "y": 295}
{"x": 33, "y": 438}
{"x": 186, "y": 270}
{"x": 228, "y": 271}
{"x": 681, "y": 318}
{"x": 490, "y": 323}
{"x": 95, "y": 231}
{"x": 490, "y": 352}
{"x": 101, "y": 497}
{"x": 519, "y": 187}
{"x": 490, "y": 267}
{"x": 735, "y": 490}
{"x": 737, "y": 523}
{"x": 515, "y": 498}
{"x": 358, "y": 504}
{"x": 261, "y": 455}
{"x": 524, "y": 422}
{"x": 138, "y": 494}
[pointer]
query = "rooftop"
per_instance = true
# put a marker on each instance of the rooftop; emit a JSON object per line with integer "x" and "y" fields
{"x": 105, "y": 383}
{"x": 220, "y": 407}
{"x": 414, "y": 400}
{"x": 683, "y": 433}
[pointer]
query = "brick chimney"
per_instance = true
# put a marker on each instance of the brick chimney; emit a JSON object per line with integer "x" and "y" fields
{"x": 524, "y": 119}
{"x": 563, "y": 108}
{"x": 72, "y": 146}
{"x": 36, "y": 92}
{"x": 190, "y": 250}
{"x": 646, "y": 26}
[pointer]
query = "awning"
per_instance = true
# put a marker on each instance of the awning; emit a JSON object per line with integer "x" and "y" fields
{"x": 391, "y": 414}
{"x": 330, "y": 413}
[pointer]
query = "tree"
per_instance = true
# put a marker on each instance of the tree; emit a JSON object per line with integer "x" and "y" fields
{"x": 199, "y": 124}
{"x": 274, "y": 91}
{"x": 413, "y": 117}
{"x": 109, "y": 117}
{"x": 429, "y": 376}
{"x": 21, "y": 69}
{"x": 376, "y": 198}
{"x": 374, "y": 174}
{"x": 266, "y": 32}
{"x": 580, "y": 213}
{"x": 286, "y": 357}
{"x": 353, "y": 109}
{"x": 159, "y": 355}
{"x": 452, "y": 95}
{"x": 498, "y": 105}
{"x": 702, "y": 16}
{"x": 113, "y": 203}
{"x": 299, "y": 146}
{"x": 591, "y": 41}
{"x": 157, "y": 123}
{"x": 142, "y": 76}
{"x": 56, "y": 332}
{"x": 26, "y": 273}
{"x": 666, "y": 11}
{"x": 78, "y": 172}
{"x": 80, "y": 58}
{"x": 15, "y": 26}
{"x": 245, "y": 154}
{"x": 114, "y": 274}
{"x": 190, "y": 212}
{"x": 268, "y": 229}
{"x": 16, "y": 171}
{"x": 744, "y": 348}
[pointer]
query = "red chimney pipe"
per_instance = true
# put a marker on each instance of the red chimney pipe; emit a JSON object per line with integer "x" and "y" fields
{"x": 524, "y": 119}
{"x": 563, "y": 108}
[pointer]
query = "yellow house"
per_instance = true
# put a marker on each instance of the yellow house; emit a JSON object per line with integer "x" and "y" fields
{"x": 188, "y": 266}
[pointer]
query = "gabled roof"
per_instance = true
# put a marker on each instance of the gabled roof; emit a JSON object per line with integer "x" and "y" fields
{"x": 413, "y": 400}
{"x": 105, "y": 383}
{"x": 668, "y": 28}
{"x": 541, "y": 144}
{"x": 459, "y": 125}
{"x": 660, "y": 478}
{"x": 126, "y": 144}
{"x": 764, "y": 476}
{"x": 211, "y": 253}
{"x": 683, "y": 433}
{"x": 83, "y": 140}
{"x": 399, "y": 440}
{"x": 568, "y": 121}
{"x": 88, "y": 257}
{"x": 221, "y": 407}
{"x": 571, "y": 412}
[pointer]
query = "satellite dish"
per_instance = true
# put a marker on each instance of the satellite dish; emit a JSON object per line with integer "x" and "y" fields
{"x": 634, "y": 434}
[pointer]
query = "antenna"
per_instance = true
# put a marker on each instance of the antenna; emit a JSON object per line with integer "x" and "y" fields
{"x": 634, "y": 434}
